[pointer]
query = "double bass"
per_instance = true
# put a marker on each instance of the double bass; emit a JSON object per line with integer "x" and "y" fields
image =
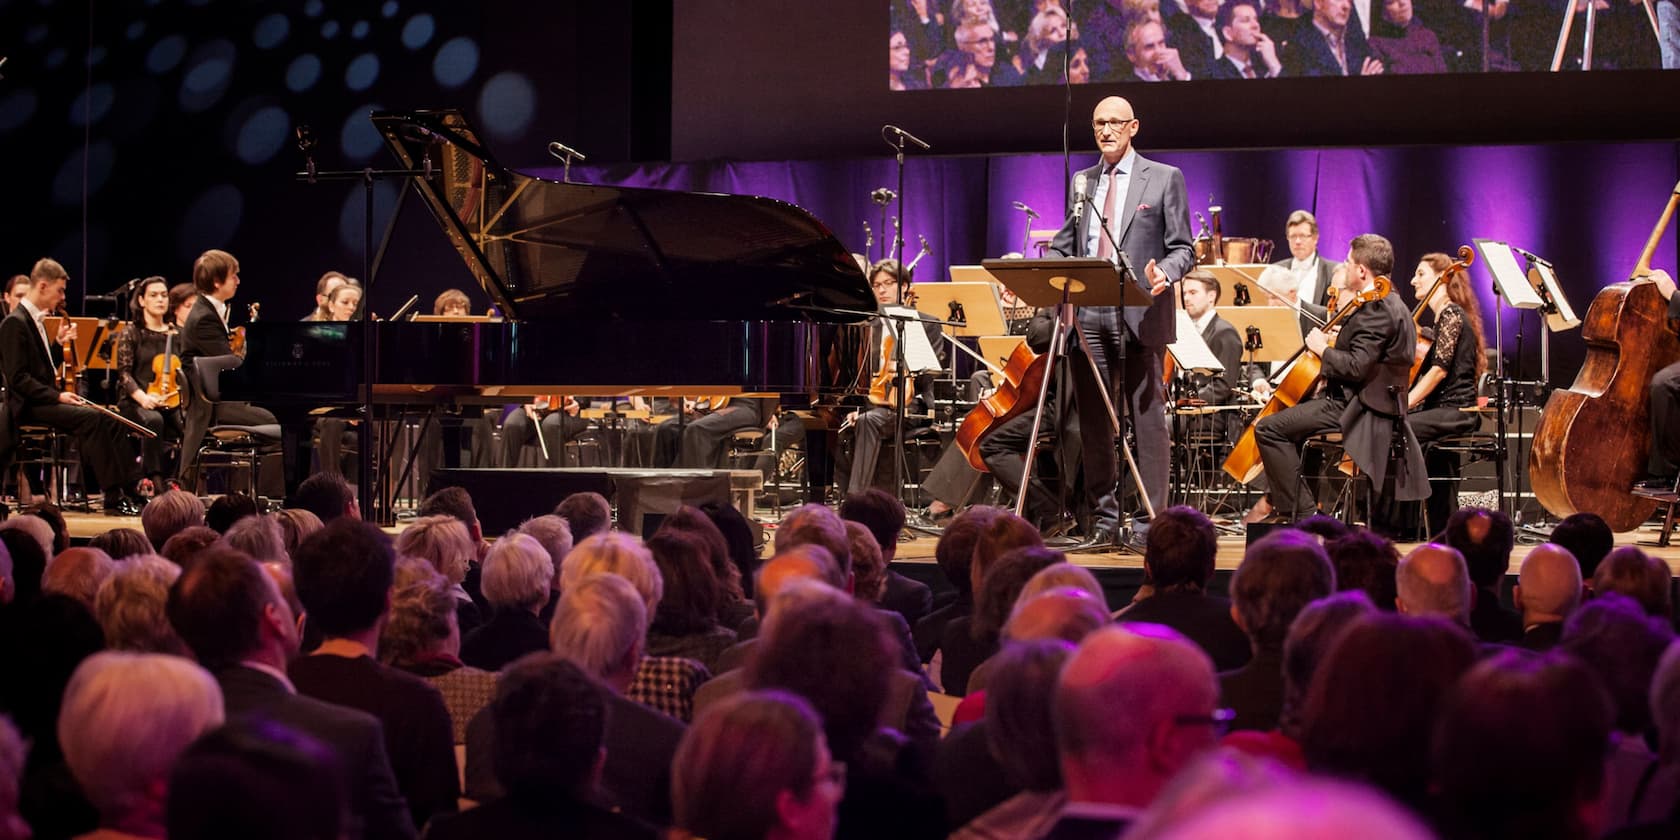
{"x": 1594, "y": 437}
{"x": 1299, "y": 378}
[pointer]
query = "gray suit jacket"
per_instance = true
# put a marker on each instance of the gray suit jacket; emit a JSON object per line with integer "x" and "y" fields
{"x": 1154, "y": 225}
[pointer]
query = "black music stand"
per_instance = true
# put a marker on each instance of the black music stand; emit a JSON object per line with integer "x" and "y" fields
{"x": 1068, "y": 283}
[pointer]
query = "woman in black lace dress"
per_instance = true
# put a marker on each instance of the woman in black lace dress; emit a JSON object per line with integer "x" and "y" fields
{"x": 1447, "y": 381}
{"x": 150, "y": 334}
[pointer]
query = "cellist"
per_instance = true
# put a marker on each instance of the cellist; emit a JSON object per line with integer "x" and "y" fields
{"x": 1446, "y": 381}
{"x": 145, "y": 397}
{"x": 1366, "y": 365}
{"x": 1665, "y": 405}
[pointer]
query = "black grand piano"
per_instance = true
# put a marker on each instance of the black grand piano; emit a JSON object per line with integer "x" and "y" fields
{"x": 605, "y": 291}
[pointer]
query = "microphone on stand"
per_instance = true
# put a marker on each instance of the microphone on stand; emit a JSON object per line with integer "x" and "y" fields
{"x": 883, "y": 196}
{"x": 906, "y": 136}
{"x": 1022, "y": 206}
{"x": 563, "y": 151}
{"x": 1079, "y": 196}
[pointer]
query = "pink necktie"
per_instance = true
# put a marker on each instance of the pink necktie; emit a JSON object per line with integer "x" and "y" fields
{"x": 1105, "y": 248}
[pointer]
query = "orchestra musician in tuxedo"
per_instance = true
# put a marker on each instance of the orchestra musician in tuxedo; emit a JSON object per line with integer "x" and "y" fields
{"x": 1144, "y": 206}
{"x": 1199, "y": 293}
{"x": 206, "y": 333}
{"x": 872, "y": 429}
{"x": 30, "y": 359}
{"x": 1367, "y": 363}
{"x": 1311, "y": 272}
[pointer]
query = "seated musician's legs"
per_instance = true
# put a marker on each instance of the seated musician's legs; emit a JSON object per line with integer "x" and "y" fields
{"x": 1279, "y": 437}
{"x": 329, "y": 447}
{"x": 483, "y": 446}
{"x": 1428, "y": 426}
{"x": 151, "y": 449}
{"x": 667, "y": 436}
{"x": 978, "y": 384}
{"x": 242, "y": 414}
{"x": 101, "y": 441}
{"x": 703, "y": 439}
{"x": 197, "y": 425}
{"x": 558, "y": 429}
{"x": 517, "y": 431}
{"x": 871, "y": 428}
{"x": 1005, "y": 452}
{"x": 1665, "y": 422}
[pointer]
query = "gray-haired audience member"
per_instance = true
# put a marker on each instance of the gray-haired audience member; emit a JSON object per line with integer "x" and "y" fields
{"x": 37, "y": 529}
{"x": 260, "y": 537}
{"x": 550, "y": 720}
{"x": 757, "y": 766}
{"x": 616, "y": 553}
{"x": 1279, "y": 576}
{"x": 77, "y": 573}
{"x": 257, "y": 779}
{"x": 125, "y": 718}
{"x": 296, "y": 524}
{"x": 1167, "y": 686}
{"x": 168, "y": 514}
{"x": 518, "y": 576}
{"x": 132, "y": 606}
{"x": 421, "y": 636}
{"x": 1433, "y": 580}
{"x": 1548, "y": 589}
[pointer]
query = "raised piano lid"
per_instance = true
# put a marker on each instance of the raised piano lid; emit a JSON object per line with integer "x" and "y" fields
{"x": 545, "y": 250}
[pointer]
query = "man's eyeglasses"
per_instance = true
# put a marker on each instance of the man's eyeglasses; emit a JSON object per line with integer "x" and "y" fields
{"x": 1102, "y": 125}
{"x": 1219, "y": 719}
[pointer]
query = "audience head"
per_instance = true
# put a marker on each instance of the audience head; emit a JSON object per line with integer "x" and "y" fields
{"x": 442, "y": 541}
{"x": 133, "y": 604}
{"x": 869, "y": 568}
{"x": 188, "y": 543}
{"x": 119, "y": 543}
{"x": 167, "y": 514}
{"x": 36, "y": 529}
{"x": 756, "y": 765}
{"x": 1315, "y": 629}
{"x": 1365, "y": 560}
{"x": 1003, "y": 533}
{"x": 328, "y": 496}
{"x": 801, "y": 562}
{"x": 739, "y": 537}
{"x": 1002, "y": 586}
{"x": 880, "y": 512}
{"x": 1631, "y": 572}
{"x": 26, "y": 563}
{"x": 257, "y": 780}
{"x": 518, "y": 574}
{"x": 1485, "y": 538}
{"x": 1618, "y": 641}
{"x": 1665, "y": 705}
{"x": 1020, "y": 727}
{"x": 955, "y": 550}
{"x": 343, "y": 576}
{"x": 832, "y": 650}
{"x": 1181, "y": 548}
{"x": 228, "y": 509}
{"x": 1519, "y": 748}
{"x": 126, "y": 717}
{"x": 1325, "y": 528}
{"x": 227, "y": 610}
{"x": 1166, "y": 685}
{"x": 1306, "y": 809}
{"x": 77, "y": 573}
{"x": 1372, "y": 701}
{"x": 1588, "y": 537}
{"x": 50, "y": 514}
{"x": 296, "y": 524}
{"x": 588, "y": 514}
{"x": 691, "y": 596}
{"x": 1432, "y": 579}
{"x": 552, "y": 533}
{"x": 1063, "y": 575}
{"x": 260, "y": 537}
{"x": 615, "y": 553}
{"x": 816, "y": 524}
{"x": 1064, "y": 613}
{"x": 422, "y": 623}
{"x": 600, "y": 624}
{"x": 698, "y": 524}
{"x": 550, "y": 719}
{"x": 1548, "y": 586}
{"x": 1280, "y": 574}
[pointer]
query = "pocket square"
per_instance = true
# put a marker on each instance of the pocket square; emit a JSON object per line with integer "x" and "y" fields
{"x": 1142, "y": 207}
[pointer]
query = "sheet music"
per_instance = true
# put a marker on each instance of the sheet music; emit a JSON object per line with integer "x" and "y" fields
{"x": 918, "y": 353}
{"x": 1564, "y": 318}
{"x": 1508, "y": 277}
{"x": 1190, "y": 351}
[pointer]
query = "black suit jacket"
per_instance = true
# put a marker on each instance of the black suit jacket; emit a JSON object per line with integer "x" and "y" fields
{"x": 1195, "y": 47}
{"x": 1309, "y": 54}
{"x": 1204, "y": 619}
{"x": 355, "y": 736}
{"x": 1255, "y": 691}
{"x": 29, "y": 367}
{"x": 1224, "y": 68}
{"x": 1371, "y": 364}
{"x": 1227, "y": 347}
{"x": 640, "y": 744}
{"x": 204, "y": 333}
{"x": 909, "y": 598}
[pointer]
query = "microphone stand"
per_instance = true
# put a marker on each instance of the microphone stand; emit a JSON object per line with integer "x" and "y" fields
{"x": 897, "y": 141}
{"x": 368, "y": 176}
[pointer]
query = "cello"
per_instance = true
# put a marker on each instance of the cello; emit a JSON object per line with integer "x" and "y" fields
{"x": 1594, "y": 437}
{"x": 1023, "y": 378}
{"x": 1299, "y": 377}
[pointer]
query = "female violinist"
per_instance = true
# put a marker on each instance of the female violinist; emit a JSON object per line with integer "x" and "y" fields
{"x": 1446, "y": 382}
{"x": 149, "y": 371}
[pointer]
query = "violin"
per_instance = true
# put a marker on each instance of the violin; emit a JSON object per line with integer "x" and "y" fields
{"x": 236, "y": 336}
{"x": 166, "y": 375}
{"x": 1424, "y": 345}
{"x": 1300, "y": 376}
{"x": 68, "y": 369}
{"x": 883, "y": 387}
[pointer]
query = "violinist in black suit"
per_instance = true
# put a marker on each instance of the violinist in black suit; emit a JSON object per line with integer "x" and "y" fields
{"x": 30, "y": 359}
{"x": 1367, "y": 365}
{"x": 206, "y": 333}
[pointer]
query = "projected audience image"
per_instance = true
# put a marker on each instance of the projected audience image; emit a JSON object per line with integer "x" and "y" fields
{"x": 1013, "y": 43}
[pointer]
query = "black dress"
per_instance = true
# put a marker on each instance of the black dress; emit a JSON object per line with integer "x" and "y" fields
{"x": 1442, "y": 414}
{"x": 137, "y": 348}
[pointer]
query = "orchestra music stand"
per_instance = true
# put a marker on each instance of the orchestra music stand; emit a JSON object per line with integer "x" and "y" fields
{"x": 996, "y": 349}
{"x": 1278, "y": 329}
{"x": 1068, "y": 283}
{"x": 973, "y": 309}
{"x": 1510, "y": 285}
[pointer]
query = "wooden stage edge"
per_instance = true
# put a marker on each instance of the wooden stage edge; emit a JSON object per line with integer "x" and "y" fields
{"x": 84, "y": 526}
